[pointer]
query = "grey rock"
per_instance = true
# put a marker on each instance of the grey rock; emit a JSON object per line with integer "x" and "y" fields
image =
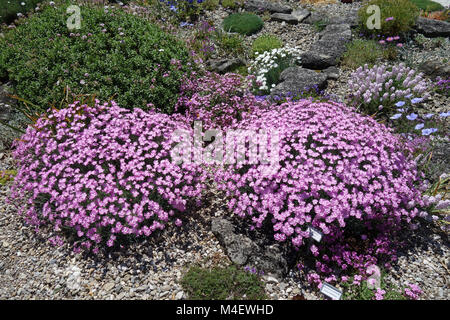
{"x": 432, "y": 27}
{"x": 296, "y": 79}
{"x": 332, "y": 73}
{"x": 336, "y": 31}
{"x": 284, "y": 17}
{"x": 243, "y": 251}
{"x": 351, "y": 18}
{"x": 435, "y": 68}
{"x": 262, "y": 6}
{"x": 109, "y": 286}
{"x": 301, "y": 14}
{"x": 179, "y": 295}
{"x": 225, "y": 65}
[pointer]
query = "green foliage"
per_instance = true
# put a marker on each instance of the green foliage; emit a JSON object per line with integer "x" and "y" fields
{"x": 359, "y": 52}
{"x": 6, "y": 176}
{"x": 211, "y": 4}
{"x": 119, "y": 56}
{"x": 10, "y": 8}
{"x": 265, "y": 43}
{"x": 320, "y": 25}
{"x": 222, "y": 283}
{"x": 243, "y": 23}
{"x": 363, "y": 292}
{"x": 428, "y": 5}
{"x": 404, "y": 13}
{"x": 230, "y": 43}
{"x": 231, "y": 4}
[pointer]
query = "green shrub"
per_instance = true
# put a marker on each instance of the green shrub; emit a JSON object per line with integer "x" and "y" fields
{"x": 265, "y": 43}
{"x": 359, "y": 52}
{"x": 10, "y": 8}
{"x": 120, "y": 56}
{"x": 222, "y": 283}
{"x": 229, "y": 43}
{"x": 403, "y": 12}
{"x": 428, "y": 5}
{"x": 243, "y": 23}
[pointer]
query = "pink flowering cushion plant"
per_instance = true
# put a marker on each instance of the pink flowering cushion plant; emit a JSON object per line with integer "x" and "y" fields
{"x": 219, "y": 101}
{"x": 338, "y": 171}
{"x": 104, "y": 173}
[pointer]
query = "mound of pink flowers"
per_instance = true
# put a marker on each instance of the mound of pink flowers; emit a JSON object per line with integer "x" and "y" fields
{"x": 102, "y": 173}
{"x": 339, "y": 172}
{"x": 219, "y": 101}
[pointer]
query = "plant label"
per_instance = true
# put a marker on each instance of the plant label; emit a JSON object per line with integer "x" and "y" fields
{"x": 330, "y": 291}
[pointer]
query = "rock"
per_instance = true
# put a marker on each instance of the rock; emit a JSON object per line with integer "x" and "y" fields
{"x": 435, "y": 68}
{"x": 296, "y": 79}
{"x": 351, "y": 18}
{"x": 329, "y": 48}
{"x": 225, "y": 65}
{"x": 336, "y": 31}
{"x": 432, "y": 27}
{"x": 301, "y": 14}
{"x": 270, "y": 279}
{"x": 332, "y": 73}
{"x": 243, "y": 251}
{"x": 284, "y": 17}
{"x": 109, "y": 286}
{"x": 179, "y": 295}
{"x": 261, "y": 6}
{"x": 238, "y": 247}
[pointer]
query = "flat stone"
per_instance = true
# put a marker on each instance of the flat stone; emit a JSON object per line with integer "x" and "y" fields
{"x": 434, "y": 68}
{"x": 297, "y": 79}
{"x": 109, "y": 286}
{"x": 262, "y": 6}
{"x": 432, "y": 27}
{"x": 225, "y": 65}
{"x": 301, "y": 14}
{"x": 284, "y": 17}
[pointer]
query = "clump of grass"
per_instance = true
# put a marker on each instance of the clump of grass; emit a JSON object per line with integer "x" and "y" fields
{"x": 359, "y": 52}
{"x": 428, "y": 5}
{"x": 265, "y": 43}
{"x": 243, "y": 23}
{"x": 222, "y": 283}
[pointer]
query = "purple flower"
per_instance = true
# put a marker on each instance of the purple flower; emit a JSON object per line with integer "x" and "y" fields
{"x": 419, "y": 126}
{"x": 396, "y": 116}
{"x": 400, "y": 104}
{"x": 389, "y": 19}
{"x": 416, "y": 100}
{"x": 411, "y": 116}
{"x": 427, "y": 132}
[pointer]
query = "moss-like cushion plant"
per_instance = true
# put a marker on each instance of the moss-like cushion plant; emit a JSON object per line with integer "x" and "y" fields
{"x": 243, "y": 23}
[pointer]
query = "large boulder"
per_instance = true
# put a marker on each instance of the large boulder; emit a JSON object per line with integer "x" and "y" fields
{"x": 432, "y": 28}
{"x": 284, "y": 17}
{"x": 225, "y": 65}
{"x": 298, "y": 79}
{"x": 243, "y": 251}
{"x": 351, "y": 18}
{"x": 434, "y": 68}
{"x": 261, "y": 6}
{"x": 329, "y": 48}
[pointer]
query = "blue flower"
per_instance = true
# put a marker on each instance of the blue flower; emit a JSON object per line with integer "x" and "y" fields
{"x": 400, "y": 104}
{"x": 411, "y": 116}
{"x": 444, "y": 114}
{"x": 396, "y": 116}
{"x": 427, "y": 132}
{"x": 428, "y": 115}
{"x": 401, "y": 110}
{"x": 419, "y": 126}
{"x": 173, "y": 8}
{"x": 416, "y": 100}
{"x": 408, "y": 96}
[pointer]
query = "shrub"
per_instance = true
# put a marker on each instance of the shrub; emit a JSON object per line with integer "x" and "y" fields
{"x": 428, "y": 5}
{"x": 221, "y": 284}
{"x": 243, "y": 23}
{"x": 231, "y": 4}
{"x": 360, "y": 52}
{"x": 377, "y": 89}
{"x": 6, "y": 176}
{"x": 113, "y": 54}
{"x": 267, "y": 67}
{"x": 337, "y": 171}
{"x": 231, "y": 44}
{"x": 12, "y": 9}
{"x": 397, "y": 16}
{"x": 219, "y": 101}
{"x": 103, "y": 174}
{"x": 265, "y": 43}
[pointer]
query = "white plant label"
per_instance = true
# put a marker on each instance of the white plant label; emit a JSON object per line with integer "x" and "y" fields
{"x": 315, "y": 234}
{"x": 330, "y": 291}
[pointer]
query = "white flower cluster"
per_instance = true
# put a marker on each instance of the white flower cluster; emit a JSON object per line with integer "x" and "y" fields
{"x": 270, "y": 60}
